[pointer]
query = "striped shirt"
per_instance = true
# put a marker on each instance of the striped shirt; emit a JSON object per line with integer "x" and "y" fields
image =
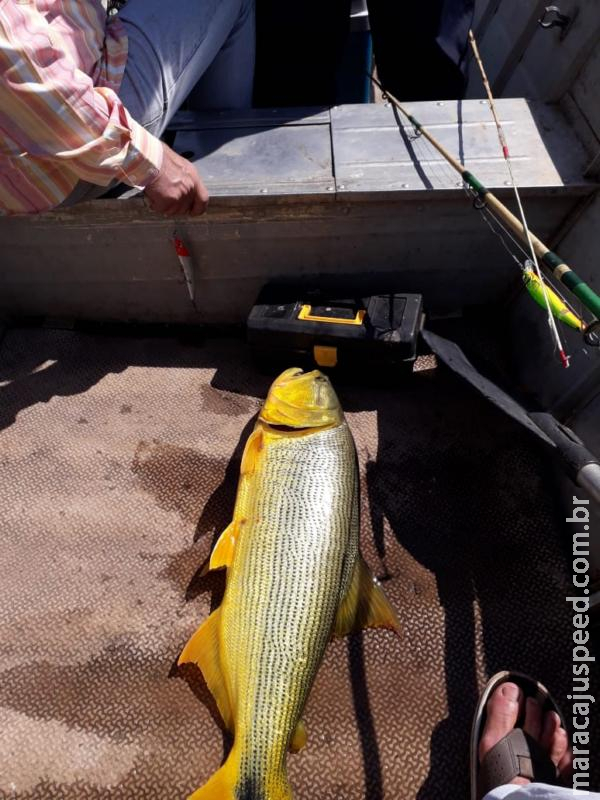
{"x": 61, "y": 121}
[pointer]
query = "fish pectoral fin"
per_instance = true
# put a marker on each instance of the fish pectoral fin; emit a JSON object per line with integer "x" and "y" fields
{"x": 365, "y": 604}
{"x": 203, "y": 650}
{"x": 252, "y": 451}
{"x": 299, "y": 738}
{"x": 222, "y": 554}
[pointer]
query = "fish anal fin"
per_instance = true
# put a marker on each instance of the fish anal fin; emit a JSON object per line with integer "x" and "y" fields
{"x": 252, "y": 451}
{"x": 365, "y": 605}
{"x": 222, "y": 554}
{"x": 203, "y": 651}
{"x": 299, "y": 738}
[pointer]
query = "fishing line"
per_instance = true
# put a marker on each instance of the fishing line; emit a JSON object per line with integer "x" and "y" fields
{"x": 491, "y": 219}
{"x": 486, "y": 203}
{"x": 486, "y": 212}
{"x": 502, "y": 239}
{"x": 560, "y": 308}
{"x": 427, "y": 159}
{"x": 508, "y": 160}
{"x": 438, "y": 165}
{"x": 540, "y": 292}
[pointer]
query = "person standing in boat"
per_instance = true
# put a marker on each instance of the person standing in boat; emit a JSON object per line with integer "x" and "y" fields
{"x": 84, "y": 97}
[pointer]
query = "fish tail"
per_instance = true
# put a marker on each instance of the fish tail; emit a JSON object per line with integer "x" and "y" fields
{"x": 222, "y": 785}
{"x": 249, "y": 789}
{"x": 228, "y": 784}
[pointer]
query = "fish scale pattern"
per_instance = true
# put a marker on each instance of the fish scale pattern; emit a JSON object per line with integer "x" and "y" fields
{"x": 119, "y": 461}
{"x": 284, "y": 587}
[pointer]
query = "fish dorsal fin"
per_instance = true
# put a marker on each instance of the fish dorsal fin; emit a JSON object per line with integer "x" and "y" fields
{"x": 365, "y": 605}
{"x": 203, "y": 651}
{"x": 299, "y": 738}
{"x": 222, "y": 554}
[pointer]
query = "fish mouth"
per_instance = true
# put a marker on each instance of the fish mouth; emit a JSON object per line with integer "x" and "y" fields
{"x": 292, "y": 430}
{"x": 300, "y": 402}
{"x": 287, "y": 428}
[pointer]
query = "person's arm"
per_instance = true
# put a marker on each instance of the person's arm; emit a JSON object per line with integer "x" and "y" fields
{"x": 54, "y": 112}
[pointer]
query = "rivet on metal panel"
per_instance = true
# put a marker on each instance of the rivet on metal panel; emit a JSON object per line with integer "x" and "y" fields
{"x": 483, "y": 102}
{"x": 264, "y": 191}
{"x": 406, "y": 185}
{"x": 441, "y": 104}
{"x": 330, "y": 188}
{"x": 342, "y": 186}
{"x": 508, "y": 183}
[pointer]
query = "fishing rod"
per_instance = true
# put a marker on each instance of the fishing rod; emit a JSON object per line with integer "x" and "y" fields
{"x": 554, "y": 263}
{"x": 534, "y": 281}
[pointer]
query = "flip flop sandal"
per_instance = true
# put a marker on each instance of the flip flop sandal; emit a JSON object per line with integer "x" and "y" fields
{"x": 517, "y": 754}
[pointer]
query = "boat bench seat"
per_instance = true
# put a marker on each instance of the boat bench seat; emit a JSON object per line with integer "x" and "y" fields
{"x": 349, "y": 194}
{"x": 369, "y": 152}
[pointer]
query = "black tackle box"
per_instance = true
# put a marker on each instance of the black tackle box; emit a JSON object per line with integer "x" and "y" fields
{"x": 335, "y": 331}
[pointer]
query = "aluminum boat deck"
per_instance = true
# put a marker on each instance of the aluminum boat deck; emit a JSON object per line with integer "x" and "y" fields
{"x": 118, "y": 466}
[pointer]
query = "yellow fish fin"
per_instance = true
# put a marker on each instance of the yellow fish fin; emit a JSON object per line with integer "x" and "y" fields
{"x": 222, "y": 554}
{"x": 223, "y": 783}
{"x": 252, "y": 451}
{"x": 299, "y": 738}
{"x": 203, "y": 650}
{"x": 228, "y": 784}
{"x": 365, "y": 605}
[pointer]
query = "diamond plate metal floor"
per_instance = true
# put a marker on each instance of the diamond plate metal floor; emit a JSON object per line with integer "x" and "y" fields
{"x": 118, "y": 464}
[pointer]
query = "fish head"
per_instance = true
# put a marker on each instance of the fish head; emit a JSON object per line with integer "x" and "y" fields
{"x": 302, "y": 401}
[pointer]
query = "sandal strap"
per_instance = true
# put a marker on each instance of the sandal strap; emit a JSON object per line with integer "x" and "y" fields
{"x": 516, "y": 755}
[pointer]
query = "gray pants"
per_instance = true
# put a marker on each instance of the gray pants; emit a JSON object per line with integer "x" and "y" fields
{"x": 203, "y": 51}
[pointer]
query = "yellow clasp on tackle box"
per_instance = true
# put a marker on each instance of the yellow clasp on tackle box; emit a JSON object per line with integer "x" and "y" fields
{"x": 306, "y": 315}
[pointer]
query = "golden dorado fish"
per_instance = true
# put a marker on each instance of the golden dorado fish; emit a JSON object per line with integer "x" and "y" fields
{"x": 294, "y": 578}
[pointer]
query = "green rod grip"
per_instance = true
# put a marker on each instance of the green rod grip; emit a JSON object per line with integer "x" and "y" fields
{"x": 573, "y": 282}
{"x": 475, "y": 183}
{"x": 552, "y": 261}
{"x": 585, "y": 293}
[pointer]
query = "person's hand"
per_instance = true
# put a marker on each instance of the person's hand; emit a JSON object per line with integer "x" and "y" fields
{"x": 178, "y": 189}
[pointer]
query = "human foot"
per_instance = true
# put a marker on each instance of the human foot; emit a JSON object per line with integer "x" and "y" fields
{"x": 506, "y": 705}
